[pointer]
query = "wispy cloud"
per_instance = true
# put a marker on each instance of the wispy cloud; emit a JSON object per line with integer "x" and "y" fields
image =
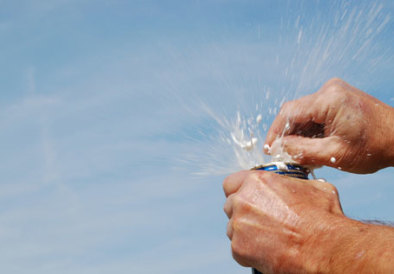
{"x": 93, "y": 132}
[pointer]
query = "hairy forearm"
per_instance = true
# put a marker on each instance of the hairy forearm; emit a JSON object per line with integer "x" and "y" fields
{"x": 362, "y": 248}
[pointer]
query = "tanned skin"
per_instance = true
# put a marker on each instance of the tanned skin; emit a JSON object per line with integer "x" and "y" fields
{"x": 279, "y": 224}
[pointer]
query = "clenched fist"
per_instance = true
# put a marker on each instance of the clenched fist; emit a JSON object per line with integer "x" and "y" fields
{"x": 276, "y": 221}
{"x": 280, "y": 224}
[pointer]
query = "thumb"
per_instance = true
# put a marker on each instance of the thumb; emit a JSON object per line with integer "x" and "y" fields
{"x": 314, "y": 151}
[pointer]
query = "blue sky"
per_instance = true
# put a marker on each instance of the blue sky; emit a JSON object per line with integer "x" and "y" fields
{"x": 103, "y": 121}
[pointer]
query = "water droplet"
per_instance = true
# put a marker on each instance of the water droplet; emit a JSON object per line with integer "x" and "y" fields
{"x": 287, "y": 126}
{"x": 259, "y": 118}
{"x": 267, "y": 148}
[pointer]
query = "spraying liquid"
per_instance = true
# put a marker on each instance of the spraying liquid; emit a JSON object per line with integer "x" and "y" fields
{"x": 318, "y": 42}
{"x": 244, "y": 139}
{"x": 336, "y": 41}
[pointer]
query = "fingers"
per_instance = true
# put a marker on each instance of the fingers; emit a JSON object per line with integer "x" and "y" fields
{"x": 332, "y": 195}
{"x": 303, "y": 111}
{"x": 324, "y": 186}
{"x": 230, "y": 186}
{"x": 229, "y": 231}
{"x": 228, "y": 206}
{"x": 315, "y": 151}
{"x": 233, "y": 182}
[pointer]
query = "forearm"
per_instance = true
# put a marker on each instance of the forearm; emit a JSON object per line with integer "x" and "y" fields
{"x": 385, "y": 136}
{"x": 362, "y": 248}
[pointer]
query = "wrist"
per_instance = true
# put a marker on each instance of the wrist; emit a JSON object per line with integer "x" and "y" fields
{"x": 337, "y": 247}
{"x": 385, "y": 136}
{"x": 362, "y": 248}
{"x": 322, "y": 252}
{"x": 390, "y": 138}
{"x": 347, "y": 251}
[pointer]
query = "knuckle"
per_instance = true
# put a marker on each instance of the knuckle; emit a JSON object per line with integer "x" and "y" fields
{"x": 235, "y": 247}
{"x": 229, "y": 229}
{"x": 251, "y": 180}
{"x": 334, "y": 189}
{"x": 257, "y": 179}
{"x": 227, "y": 206}
{"x": 262, "y": 176}
{"x": 245, "y": 206}
{"x": 239, "y": 253}
{"x": 226, "y": 183}
{"x": 267, "y": 179}
{"x": 330, "y": 188}
{"x": 285, "y": 107}
{"x": 235, "y": 200}
{"x": 238, "y": 225}
{"x": 240, "y": 206}
{"x": 331, "y": 195}
{"x": 240, "y": 260}
{"x": 235, "y": 223}
{"x": 238, "y": 203}
{"x": 333, "y": 87}
{"x": 335, "y": 80}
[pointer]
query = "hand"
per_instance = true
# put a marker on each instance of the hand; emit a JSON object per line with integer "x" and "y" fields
{"x": 338, "y": 126}
{"x": 281, "y": 224}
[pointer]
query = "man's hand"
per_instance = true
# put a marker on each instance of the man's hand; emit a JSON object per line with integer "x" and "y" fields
{"x": 280, "y": 224}
{"x": 276, "y": 222}
{"x": 338, "y": 126}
